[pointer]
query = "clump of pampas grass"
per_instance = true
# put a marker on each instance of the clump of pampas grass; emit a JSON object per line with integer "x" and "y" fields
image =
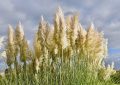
{"x": 66, "y": 42}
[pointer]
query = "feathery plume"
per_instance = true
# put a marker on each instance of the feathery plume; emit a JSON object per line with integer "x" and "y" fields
{"x": 37, "y": 46}
{"x": 50, "y": 41}
{"x": 24, "y": 50}
{"x": 10, "y": 49}
{"x": 95, "y": 47}
{"x": 74, "y": 28}
{"x": 19, "y": 33}
{"x": 81, "y": 36}
{"x": 36, "y": 65}
{"x": 56, "y": 29}
{"x": 10, "y": 34}
{"x": 68, "y": 29}
{"x": 62, "y": 27}
{"x": 105, "y": 73}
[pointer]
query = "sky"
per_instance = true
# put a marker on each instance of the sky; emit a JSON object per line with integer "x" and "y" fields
{"x": 105, "y": 14}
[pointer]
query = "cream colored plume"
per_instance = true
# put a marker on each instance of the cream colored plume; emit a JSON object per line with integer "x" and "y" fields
{"x": 60, "y": 13}
{"x": 24, "y": 50}
{"x": 82, "y": 30}
{"x": 92, "y": 42}
{"x": 56, "y": 28}
{"x": 37, "y": 46}
{"x": 105, "y": 47}
{"x": 63, "y": 35}
{"x": 82, "y": 34}
{"x": 10, "y": 47}
{"x": 60, "y": 36}
{"x": 19, "y": 32}
{"x": 10, "y": 35}
{"x": 42, "y": 29}
{"x": 105, "y": 73}
{"x": 90, "y": 35}
{"x": 80, "y": 41}
{"x": 69, "y": 30}
{"x": 74, "y": 29}
{"x": 37, "y": 65}
{"x": 50, "y": 42}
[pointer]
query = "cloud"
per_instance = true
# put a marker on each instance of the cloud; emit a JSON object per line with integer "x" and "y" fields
{"x": 28, "y": 12}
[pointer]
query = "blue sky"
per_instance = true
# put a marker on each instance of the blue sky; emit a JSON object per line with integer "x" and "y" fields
{"x": 105, "y": 14}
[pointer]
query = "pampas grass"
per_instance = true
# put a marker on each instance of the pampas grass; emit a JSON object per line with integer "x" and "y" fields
{"x": 63, "y": 54}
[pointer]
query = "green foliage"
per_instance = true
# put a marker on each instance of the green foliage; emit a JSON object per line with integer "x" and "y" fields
{"x": 116, "y": 77}
{"x": 78, "y": 75}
